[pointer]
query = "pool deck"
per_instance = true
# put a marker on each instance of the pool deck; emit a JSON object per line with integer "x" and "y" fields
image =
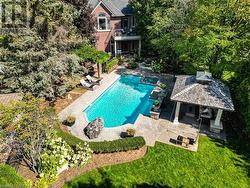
{"x": 152, "y": 130}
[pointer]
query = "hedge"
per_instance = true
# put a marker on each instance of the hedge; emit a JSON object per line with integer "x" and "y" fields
{"x": 125, "y": 144}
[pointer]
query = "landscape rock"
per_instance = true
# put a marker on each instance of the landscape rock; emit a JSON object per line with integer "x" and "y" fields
{"x": 94, "y": 128}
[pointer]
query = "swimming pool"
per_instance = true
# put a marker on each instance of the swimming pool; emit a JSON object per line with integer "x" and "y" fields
{"x": 122, "y": 102}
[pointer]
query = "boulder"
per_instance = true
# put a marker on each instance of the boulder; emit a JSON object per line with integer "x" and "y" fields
{"x": 94, "y": 128}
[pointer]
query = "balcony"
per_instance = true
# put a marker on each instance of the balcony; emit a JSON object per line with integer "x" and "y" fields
{"x": 126, "y": 34}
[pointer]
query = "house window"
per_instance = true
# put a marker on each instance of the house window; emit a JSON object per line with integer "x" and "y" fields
{"x": 125, "y": 23}
{"x": 103, "y": 22}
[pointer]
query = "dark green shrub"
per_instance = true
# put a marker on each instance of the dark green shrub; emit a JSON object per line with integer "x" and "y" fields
{"x": 156, "y": 102}
{"x": 125, "y": 144}
{"x": 132, "y": 65}
{"x": 163, "y": 86}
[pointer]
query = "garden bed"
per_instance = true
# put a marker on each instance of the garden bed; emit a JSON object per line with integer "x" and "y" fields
{"x": 100, "y": 160}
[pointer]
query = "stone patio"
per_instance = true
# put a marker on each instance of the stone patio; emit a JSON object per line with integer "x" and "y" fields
{"x": 161, "y": 130}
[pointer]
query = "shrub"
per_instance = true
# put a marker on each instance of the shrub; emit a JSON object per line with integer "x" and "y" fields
{"x": 158, "y": 66}
{"x": 70, "y": 120}
{"x": 156, "y": 102}
{"x": 163, "y": 86}
{"x": 132, "y": 65}
{"x": 130, "y": 132}
{"x": 106, "y": 146}
{"x": 110, "y": 65}
{"x": 124, "y": 144}
{"x": 57, "y": 154}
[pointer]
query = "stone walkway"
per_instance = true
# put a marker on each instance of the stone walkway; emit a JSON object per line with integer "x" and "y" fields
{"x": 152, "y": 130}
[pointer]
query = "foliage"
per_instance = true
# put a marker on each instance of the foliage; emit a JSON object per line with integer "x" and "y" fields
{"x": 105, "y": 146}
{"x": 88, "y": 53}
{"x": 158, "y": 66}
{"x": 39, "y": 59}
{"x": 57, "y": 154}
{"x": 216, "y": 164}
{"x": 124, "y": 144}
{"x": 186, "y": 36}
{"x": 217, "y": 38}
{"x": 160, "y": 23}
{"x": 130, "y": 132}
{"x": 84, "y": 21}
{"x": 110, "y": 65}
{"x": 163, "y": 86}
{"x": 156, "y": 102}
{"x": 132, "y": 64}
{"x": 9, "y": 178}
{"x": 32, "y": 125}
{"x": 70, "y": 120}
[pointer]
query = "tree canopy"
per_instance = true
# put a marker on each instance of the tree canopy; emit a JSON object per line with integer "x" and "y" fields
{"x": 200, "y": 35}
{"x": 39, "y": 59}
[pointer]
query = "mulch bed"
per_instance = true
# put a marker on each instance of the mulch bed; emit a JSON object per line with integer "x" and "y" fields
{"x": 99, "y": 160}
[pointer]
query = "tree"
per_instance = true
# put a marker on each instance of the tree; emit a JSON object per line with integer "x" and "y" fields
{"x": 39, "y": 59}
{"x": 32, "y": 125}
{"x": 84, "y": 22}
{"x": 161, "y": 23}
{"x": 217, "y": 39}
{"x": 88, "y": 53}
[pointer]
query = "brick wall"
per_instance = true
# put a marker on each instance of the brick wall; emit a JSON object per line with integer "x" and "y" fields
{"x": 104, "y": 37}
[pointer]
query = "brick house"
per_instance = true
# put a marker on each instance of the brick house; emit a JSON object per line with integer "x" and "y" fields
{"x": 115, "y": 30}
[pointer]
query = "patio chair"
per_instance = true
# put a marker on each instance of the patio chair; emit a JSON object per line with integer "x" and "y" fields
{"x": 87, "y": 85}
{"x": 191, "y": 141}
{"x": 179, "y": 139}
{"x": 93, "y": 80}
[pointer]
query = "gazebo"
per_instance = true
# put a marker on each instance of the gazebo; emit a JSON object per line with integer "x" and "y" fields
{"x": 209, "y": 94}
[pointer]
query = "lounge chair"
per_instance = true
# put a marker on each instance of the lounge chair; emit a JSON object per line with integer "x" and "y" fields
{"x": 87, "y": 85}
{"x": 93, "y": 80}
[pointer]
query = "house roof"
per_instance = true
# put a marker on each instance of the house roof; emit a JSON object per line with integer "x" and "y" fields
{"x": 214, "y": 94}
{"x": 6, "y": 98}
{"x": 116, "y": 7}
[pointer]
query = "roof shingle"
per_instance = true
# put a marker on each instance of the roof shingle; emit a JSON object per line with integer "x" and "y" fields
{"x": 214, "y": 94}
{"x": 117, "y": 7}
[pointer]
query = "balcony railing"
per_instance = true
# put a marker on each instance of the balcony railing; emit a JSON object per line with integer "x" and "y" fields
{"x": 125, "y": 32}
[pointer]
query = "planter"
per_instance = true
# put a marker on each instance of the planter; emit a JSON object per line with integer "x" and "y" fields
{"x": 70, "y": 121}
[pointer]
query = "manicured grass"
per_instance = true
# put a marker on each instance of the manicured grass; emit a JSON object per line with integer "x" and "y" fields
{"x": 214, "y": 165}
{"x": 10, "y": 179}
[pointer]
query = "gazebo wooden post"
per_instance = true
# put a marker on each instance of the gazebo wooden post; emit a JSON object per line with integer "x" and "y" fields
{"x": 216, "y": 125}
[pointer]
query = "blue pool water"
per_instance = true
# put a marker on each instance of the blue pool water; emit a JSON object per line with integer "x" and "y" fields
{"x": 122, "y": 102}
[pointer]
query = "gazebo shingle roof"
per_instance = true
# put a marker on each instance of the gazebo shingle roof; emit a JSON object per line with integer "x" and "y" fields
{"x": 214, "y": 94}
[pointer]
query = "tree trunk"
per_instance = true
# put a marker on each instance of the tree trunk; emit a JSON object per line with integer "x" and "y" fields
{"x": 98, "y": 70}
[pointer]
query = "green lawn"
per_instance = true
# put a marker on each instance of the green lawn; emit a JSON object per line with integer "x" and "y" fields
{"x": 10, "y": 179}
{"x": 215, "y": 165}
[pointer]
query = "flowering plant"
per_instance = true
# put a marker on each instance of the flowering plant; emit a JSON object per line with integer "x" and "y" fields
{"x": 58, "y": 154}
